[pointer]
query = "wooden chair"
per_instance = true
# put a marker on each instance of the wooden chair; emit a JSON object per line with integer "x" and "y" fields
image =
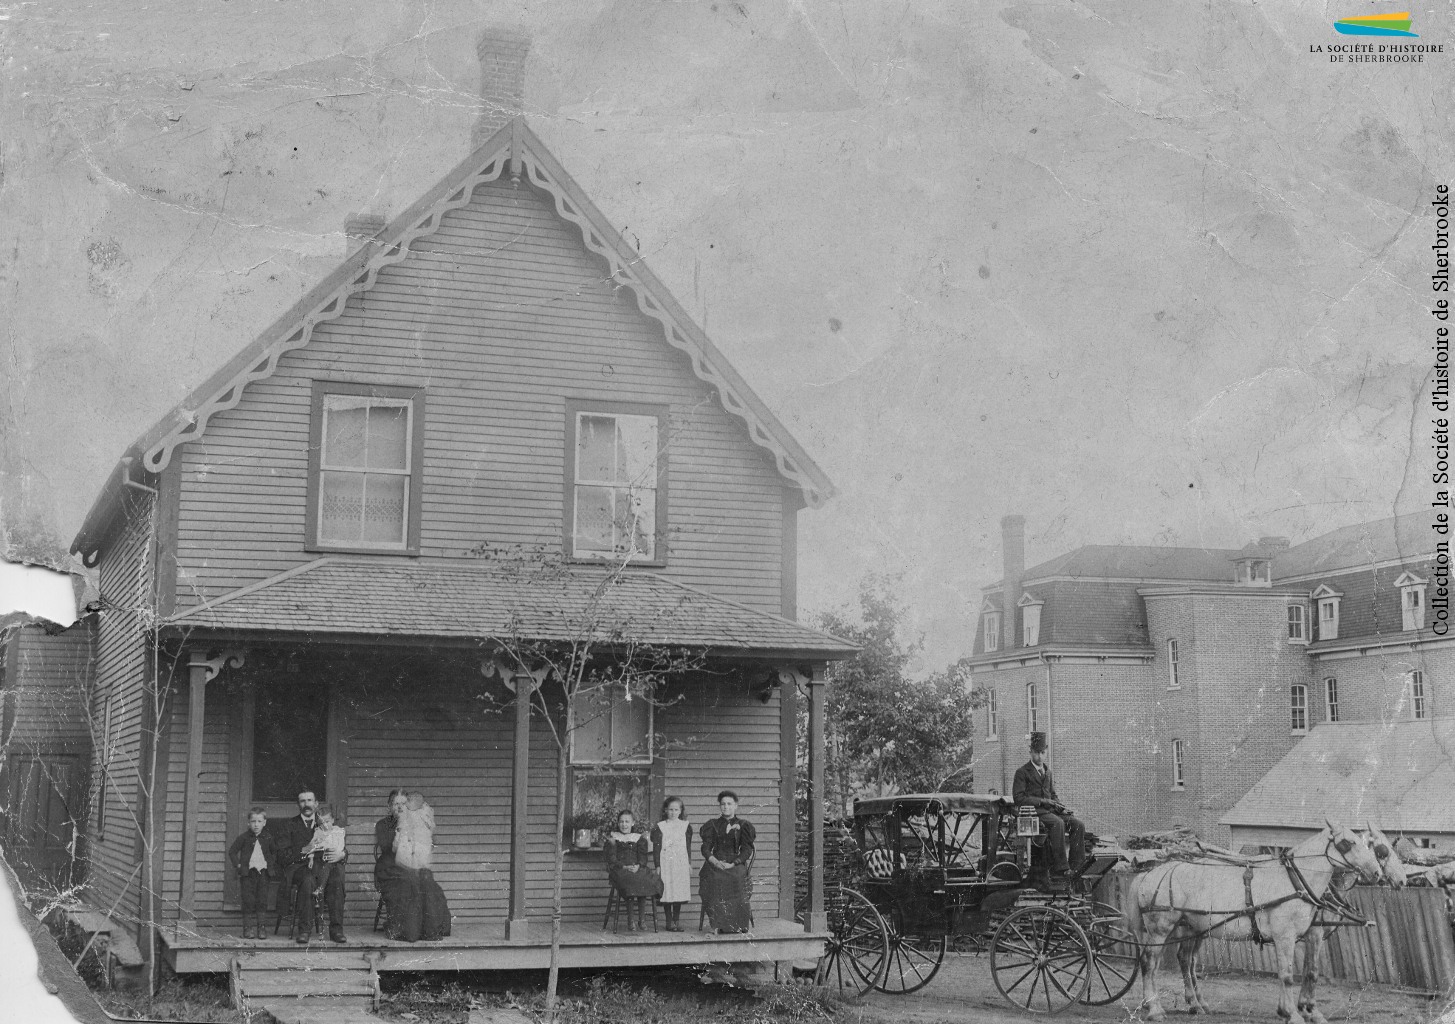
{"x": 615, "y": 901}
{"x": 381, "y": 913}
{"x": 283, "y": 903}
{"x": 702, "y": 911}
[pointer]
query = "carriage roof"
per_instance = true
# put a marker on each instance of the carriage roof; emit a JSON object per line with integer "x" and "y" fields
{"x": 978, "y": 803}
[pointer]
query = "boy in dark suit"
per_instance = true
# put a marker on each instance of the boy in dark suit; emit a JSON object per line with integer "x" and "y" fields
{"x": 1033, "y": 787}
{"x": 255, "y": 859}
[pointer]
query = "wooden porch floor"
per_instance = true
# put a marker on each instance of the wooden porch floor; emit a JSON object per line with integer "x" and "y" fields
{"x": 477, "y": 947}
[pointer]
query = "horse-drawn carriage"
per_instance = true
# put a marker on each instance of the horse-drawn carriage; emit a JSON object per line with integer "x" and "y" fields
{"x": 931, "y": 867}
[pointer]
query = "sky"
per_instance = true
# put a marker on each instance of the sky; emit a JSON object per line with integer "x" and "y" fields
{"x": 1141, "y": 272}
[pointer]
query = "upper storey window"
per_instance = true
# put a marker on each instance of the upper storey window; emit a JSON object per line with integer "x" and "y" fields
{"x": 366, "y": 455}
{"x": 1030, "y": 620}
{"x": 617, "y": 494}
{"x": 990, "y": 627}
{"x": 1326, "y": 600}
{"x": 1411, "y": 601}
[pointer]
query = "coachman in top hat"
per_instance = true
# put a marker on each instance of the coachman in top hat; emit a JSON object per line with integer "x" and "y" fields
{"x": 1033, "y": 787}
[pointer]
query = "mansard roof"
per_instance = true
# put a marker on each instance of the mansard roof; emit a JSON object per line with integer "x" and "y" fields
{"x": 513, "y": 150}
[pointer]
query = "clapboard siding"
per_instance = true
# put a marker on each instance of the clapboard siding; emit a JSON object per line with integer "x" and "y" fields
{"x": 451, "y": 737}
{"x": 47, "y": 682}
{"x": 121, "y": 678}
{"x": 501, "y": 316}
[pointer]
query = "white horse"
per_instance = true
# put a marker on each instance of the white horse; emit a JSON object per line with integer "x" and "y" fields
{"x": 1394, "y": 873}
{"x": 1272, "y": 898}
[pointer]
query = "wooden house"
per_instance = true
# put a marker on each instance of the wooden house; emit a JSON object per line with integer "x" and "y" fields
{"x": 491, "y": 423}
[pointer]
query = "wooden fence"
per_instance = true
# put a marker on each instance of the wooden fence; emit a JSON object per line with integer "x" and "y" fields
{"x": 1409, "y": 943}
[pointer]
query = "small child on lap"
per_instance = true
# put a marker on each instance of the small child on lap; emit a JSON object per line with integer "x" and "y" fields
{"x": 327, "y": 838}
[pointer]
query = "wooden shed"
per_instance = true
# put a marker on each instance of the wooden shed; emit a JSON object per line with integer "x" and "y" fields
{"x": 491, "y": 426}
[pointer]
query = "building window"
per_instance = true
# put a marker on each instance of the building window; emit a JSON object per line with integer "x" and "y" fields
{"x": 1411, "y": 601}
{"x": 1298, "y": 707}
{"x": 1419, "y": 700}
{"x": 1331, "y": 699}
{"x": 1030, "y": 625}
{"x": 991, "y": 628}
{"x": 1173, "y": 680}
{"x": 992, "y": 717}
{"x": 1033, "y": 718}
{"x": 1297, "y": 626}
{"x": 1178, "y": 779}
{"x": 617, "y": 495}
{"x": 366, "y": 454}
{"x": 1326, "y": 599}
{"x": 611, "y": 758}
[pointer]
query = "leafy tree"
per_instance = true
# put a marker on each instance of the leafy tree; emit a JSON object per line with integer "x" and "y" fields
{"x": 889, "y": 732}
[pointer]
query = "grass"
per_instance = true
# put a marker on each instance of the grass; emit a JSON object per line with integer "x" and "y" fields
{"x": 430, "y": 1001}
{"x": 203, "y": 999}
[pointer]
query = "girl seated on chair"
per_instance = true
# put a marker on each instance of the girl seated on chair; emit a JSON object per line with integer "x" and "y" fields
{"x": 629, "y": 865}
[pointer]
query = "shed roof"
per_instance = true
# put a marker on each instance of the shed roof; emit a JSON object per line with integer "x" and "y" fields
{"x": 476, "y": 600}
{"x": 1398, "y": 775}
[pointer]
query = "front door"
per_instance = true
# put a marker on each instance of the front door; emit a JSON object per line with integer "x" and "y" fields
{"x": 286, "y": 739}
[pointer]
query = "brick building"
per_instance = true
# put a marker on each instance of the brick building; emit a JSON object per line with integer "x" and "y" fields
{"x": 1171, "y": 680}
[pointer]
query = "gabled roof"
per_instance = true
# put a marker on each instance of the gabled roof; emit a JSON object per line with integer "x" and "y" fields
{"x": 480, "y": 601}
{"x": 513, "y": 150}
{"x": 1398, "y": 775}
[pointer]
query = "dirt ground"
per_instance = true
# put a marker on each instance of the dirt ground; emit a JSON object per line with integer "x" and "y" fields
{"x": 963, "y": 990}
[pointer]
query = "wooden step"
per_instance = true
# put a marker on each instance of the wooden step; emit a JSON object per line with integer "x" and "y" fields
{"x": 317, "y": 1009}
{"x": 251, "y": 981}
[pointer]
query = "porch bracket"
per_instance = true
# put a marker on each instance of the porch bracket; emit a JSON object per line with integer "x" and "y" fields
{"x": 202, "y": 670}
{"x": 815, "y": 919}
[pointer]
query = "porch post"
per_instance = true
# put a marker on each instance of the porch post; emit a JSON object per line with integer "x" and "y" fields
{"x": 517, "y": 928}
{"x": 815, "y": 919}
{"x": 202, "y": 670}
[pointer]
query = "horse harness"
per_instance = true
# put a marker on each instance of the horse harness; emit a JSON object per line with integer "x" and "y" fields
{"x": 1301, "y": 891}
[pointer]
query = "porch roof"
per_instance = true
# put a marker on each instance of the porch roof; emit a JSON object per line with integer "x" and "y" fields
{"x": 476, "y": 600}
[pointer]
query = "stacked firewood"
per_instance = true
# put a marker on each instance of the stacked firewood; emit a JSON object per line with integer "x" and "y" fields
{"x": 840, "y": 863}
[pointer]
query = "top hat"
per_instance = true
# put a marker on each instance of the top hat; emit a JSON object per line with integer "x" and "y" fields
{"x": 1038, "y": 741}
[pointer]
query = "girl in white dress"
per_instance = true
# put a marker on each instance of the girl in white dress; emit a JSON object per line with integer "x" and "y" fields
{"x": 672, "y": 848}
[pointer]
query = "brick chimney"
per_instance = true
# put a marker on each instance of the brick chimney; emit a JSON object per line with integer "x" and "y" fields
{"x": 1013, "y": 554}
{"x": 502, "y": 80}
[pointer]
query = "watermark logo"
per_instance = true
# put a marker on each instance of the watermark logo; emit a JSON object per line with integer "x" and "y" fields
{"x": 1377, "y": 25}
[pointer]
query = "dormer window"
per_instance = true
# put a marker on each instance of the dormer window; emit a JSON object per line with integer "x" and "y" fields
{"x": 990, "y": 625}
{"x": 1030, "y": 620}
{"x": 1411, "y": 601}
{"x": 1326, "y": 600}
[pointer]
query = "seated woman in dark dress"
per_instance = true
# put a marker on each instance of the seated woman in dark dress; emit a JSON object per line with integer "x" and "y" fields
{"x": 629, "y": 865}
{"x": 727, "y": 851}
{"x": 414, "y": 904}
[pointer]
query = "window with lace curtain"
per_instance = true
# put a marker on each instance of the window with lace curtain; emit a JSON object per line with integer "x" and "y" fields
{"x": 365, "y": 460}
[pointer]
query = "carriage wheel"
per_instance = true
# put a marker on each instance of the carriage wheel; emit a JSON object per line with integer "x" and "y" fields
{"x": 857, "y": 950}
{"x": 1115, "y": 961}
{"x": 911, "y": 966}
{"x": 1039, "y": 958}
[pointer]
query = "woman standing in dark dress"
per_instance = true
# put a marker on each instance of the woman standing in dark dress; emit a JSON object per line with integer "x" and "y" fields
{"x": 727, "y": 849}
{"x": 629, "y": 865}
{"x": 414, "y": 904}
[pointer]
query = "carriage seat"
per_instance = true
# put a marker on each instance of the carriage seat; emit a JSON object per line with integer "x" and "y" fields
{"x": 880, "y": 864}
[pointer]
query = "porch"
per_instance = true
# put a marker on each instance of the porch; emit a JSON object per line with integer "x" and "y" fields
{"x": 484, "y": 947}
